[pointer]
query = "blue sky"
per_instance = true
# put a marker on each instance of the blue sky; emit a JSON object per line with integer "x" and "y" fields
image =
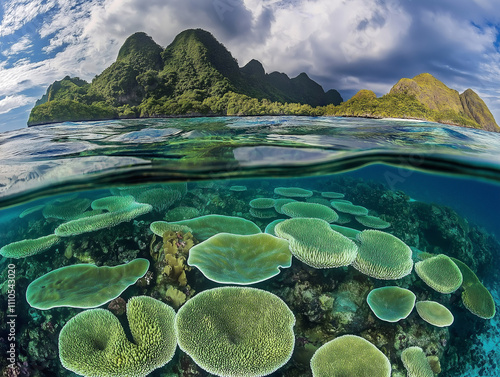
{"x": 343, "y": 44}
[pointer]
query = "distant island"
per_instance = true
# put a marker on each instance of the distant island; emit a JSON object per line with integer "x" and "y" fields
{"x": 197, "y": 76}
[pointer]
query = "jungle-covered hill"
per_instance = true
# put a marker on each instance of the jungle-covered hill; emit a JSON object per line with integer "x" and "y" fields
{"x": 423, "y": 97}
{"x": 197, "y": 75}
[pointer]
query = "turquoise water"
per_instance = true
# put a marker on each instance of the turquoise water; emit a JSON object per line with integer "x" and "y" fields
{"x": 437, "y": 186}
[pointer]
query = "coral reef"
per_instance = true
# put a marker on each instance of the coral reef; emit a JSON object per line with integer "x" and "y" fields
{"x": 327, "y": 303}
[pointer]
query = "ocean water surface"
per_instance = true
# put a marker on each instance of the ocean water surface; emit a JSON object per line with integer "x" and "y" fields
{"x": 242, "y": 246}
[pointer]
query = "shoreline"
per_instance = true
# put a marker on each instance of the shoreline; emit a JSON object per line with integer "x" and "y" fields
{"x": 188, "y": 116}
{"x": 197, "y": 115}
{"x": 407, "y": 120}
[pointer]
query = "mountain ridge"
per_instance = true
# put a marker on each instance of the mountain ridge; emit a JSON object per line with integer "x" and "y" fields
{"x": 195, "y": 75}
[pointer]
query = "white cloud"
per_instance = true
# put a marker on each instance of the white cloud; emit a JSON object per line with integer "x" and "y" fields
{"x": 322, "y": 34}
{"x": 18, "y": 13}
{"x": 489, "y": 90}
{"x": 447, "y": 27}
{"x": 78, "y": 58}
{"x": 68, "y": 25}
{"x": 23, "y": 44}
{"x": 9, "y": 103}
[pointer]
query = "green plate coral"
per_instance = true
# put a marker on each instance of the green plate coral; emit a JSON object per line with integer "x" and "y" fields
{"x": 181, "y": 213}
{"x": 262, "y": 213}
{"x": 30, "y": 210}
{"x": 313, "y": 242}
{"x": 347, "y": 207}
{"x": 332, "y": 195}
{"x": 83, "y": 285}
{"x": 391, "y": 304}
{"x": 240, "y": 259}
{"x": 103, "y": 220}
{"x": 160, "y": 198}
{"x": 434, "y": 313}
{"x": 161, "y": 227}
{"x": 468, "y": 276}
{"x": 349, "y": 355}
{"x": 311, "y": 210}
{"x": 67, "y": 209}
{"x": 262, "y": 203}
{"x": 440, "y": 273}
{"x": 27, "y": 248}
{"x": 207, "y": 226}
{"x": 382, "y": 255}
{"x": 236, "y": 331}
{"x": 317, "y": 200}
{"x": 93, "y": 343}
{"x": 348, "y": 232}
{"x": 238, "y": 188}
{"x": 112, "y": 203}
{"x": 293, "y": 192}
{"x": 270, "y": 227}
{"x": 478, "y": 300}
{"x": 344, "y": 218}
{"x": 278, "y": 203}
{"x": 372, "y": 222}
{"x": 475, "y": 296}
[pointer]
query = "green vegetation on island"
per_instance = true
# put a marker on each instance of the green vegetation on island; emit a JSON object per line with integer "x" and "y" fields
{"x": 197, "y": 76}
{"x": 194, "y": 75}
{"x": 397, "y": 105}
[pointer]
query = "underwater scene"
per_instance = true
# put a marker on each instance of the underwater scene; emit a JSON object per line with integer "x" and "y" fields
{"x": 254, "y": 246}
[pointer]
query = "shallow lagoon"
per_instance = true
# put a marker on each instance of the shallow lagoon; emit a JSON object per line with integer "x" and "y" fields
{"x": 191, "y": 168}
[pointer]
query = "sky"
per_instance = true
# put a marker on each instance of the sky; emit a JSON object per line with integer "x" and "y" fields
{"x": 342, "y": 44}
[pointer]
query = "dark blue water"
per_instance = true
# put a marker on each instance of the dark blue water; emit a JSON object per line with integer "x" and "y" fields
{"x": 476, "y": 200}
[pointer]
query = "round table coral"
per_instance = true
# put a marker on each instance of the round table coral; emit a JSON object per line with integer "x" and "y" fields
{"x": 262, "y": 203}
{"x": 206, "y": 226}
{"x": 391, "y": 304}
{"x": 310, "y": 210}
{"x": 236, "y": 331}
{"x": 240, "y": 259}
{"x": 372, "y": 222}
{"x": 434, "y": 313}
{"x": 293, "y": 192}
{"x": 315, "y": 243}
{"x": 382, "y": 255}
{"x": 348, "y": 207}
{"x": 440, "y": 273}
{"x": 349, "y": 355}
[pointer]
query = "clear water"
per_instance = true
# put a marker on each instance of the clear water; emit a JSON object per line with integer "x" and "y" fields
{"x": 438, "y": 186}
